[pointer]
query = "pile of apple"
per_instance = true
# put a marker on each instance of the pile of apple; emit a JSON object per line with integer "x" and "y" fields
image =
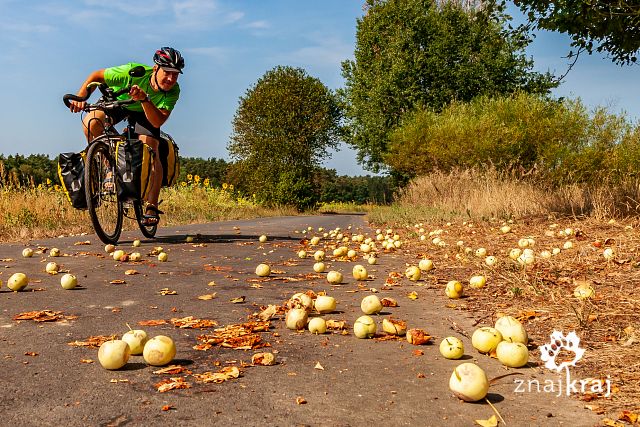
{"x": 157, "y": 351}
{"x": 508, "y": 339}
{"x": 301, "y": 304}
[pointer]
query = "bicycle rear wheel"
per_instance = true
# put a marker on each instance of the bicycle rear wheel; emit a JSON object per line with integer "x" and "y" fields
{"x": 101, "y": 191}
{"x": 147, "y": 230}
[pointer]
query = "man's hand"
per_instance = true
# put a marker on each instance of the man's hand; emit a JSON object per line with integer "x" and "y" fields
{"x": 76, "y": 106}
{"x": 137, "y": 94}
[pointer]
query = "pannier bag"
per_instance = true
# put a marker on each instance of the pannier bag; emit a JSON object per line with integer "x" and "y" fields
{"x": 71, "y": 174}
{"x": 134, "y": 164}
{"x": 168, "y": 151}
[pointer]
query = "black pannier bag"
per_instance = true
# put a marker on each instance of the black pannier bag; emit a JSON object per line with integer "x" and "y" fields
{"x": 134, "y": 164}
{"x": 71, "y": 174}
{"x": 168, "y": 151}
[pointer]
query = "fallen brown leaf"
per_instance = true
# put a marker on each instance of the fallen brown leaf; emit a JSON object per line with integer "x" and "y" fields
{"x": 238, "y": 300}
{"x": 491, "y": 422}
{"x": 172, "y": 384}
{"x": 207, "y": 297}
{"x": 93, "y": 341}
{"x": 152, "y": 322}
{"x": 167, "y": 291}
{"x": 226, "y": 373}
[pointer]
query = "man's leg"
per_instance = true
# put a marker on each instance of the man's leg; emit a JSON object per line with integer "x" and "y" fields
{"x": 93, "y": 124}
{"x": 156, "y": 180}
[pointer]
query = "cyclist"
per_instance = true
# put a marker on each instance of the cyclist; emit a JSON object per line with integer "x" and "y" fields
{"x": 156, "y": 94}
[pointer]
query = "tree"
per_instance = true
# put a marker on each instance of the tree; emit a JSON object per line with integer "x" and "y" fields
{"x": 611, "y": 26}
{"x": 415, "y": 54}
{"x": 282, "y": 130}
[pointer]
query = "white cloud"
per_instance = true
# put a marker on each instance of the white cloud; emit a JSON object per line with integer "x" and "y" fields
{"x": 194, "y": 14}
{"x": 257, "y": 25}
{"x": 135, "y": 8}
{"x": 328, "y": 52}
{"x": 218, "y": 53}
{"x": 25, "y": 27}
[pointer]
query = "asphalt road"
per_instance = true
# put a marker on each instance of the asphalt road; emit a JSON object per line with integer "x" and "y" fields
{"x": 319, "y": 380}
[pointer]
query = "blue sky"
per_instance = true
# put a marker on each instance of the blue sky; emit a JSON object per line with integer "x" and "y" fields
{"x": 50, "y": 46}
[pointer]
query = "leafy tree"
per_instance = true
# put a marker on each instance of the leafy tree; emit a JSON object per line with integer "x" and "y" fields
{"x": 425, "y": 54}
{"x": 611, "y": 26}
{"x": 282, "y": 130}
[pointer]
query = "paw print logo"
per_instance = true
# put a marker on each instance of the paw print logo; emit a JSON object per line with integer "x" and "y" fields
{"x": 559, "y": 341}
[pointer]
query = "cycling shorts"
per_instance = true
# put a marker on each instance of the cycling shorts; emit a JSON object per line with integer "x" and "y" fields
{"x": 138, "y": 120}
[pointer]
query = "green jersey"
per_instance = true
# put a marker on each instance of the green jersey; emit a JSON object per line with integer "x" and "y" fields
{"x": 118, "y": 78}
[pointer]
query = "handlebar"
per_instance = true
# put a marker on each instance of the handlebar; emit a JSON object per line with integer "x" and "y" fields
{"x": 110, "y": 98}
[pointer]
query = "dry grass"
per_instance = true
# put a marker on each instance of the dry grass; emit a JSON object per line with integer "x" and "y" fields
{"x": 476, "y": 194}
{"x": 27, "y": 213}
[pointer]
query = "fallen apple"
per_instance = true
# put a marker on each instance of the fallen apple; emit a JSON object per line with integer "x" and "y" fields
{"x": 27, "y": 252}
{"x": 54, "y": 252}
{"x": 135, "y": 256}
{"x": 114, "y": 354}
{"x": 188, "y": 239}
{"x": 314, "y": 240}
{"x": 109, "y": 248}
{"x": 394, "y": 327}
{"x": 491, "y": 261}
{"x": 334, "y": 277}
{"x": 136, "y": 338}
{"x": 609, "y": 254}
{"x": 263, "y": 270}
{"x": 371, "y": 305}
{"x": 486, "y": 339}
{"x": 325, "y": 304}
{"x": 364, "y": 327}
{"x": 136, "y": 243}
{"x": 512, "y": 354}
{"x": 68, "y": 281}
{"x": 417, "y": 336}
{"x": 17, "y": 282}
{"x": 511, "y": 329}
{"x": 477, "y": 282}
{"x": 351, "y": 253}
{"x": 452, "y": 348}
{"x": 317, "y": 325}
{"x": 52, "y": 268}
{"x": 372, "y": 260}
{"x": 300, "y": 300}
{"x": 360, "y": 273}
{"x": 319, "y": 255}
{"x": 296, "y": 319}
{"x": 515, "y": 253}
{"x": 117, "y": 254}
{"x": 481, "y": 252}
{"x": 319, "y": 267}
{"x": 454, "y": 289}
{"x": 413, "y": 273}
{"x": 469, "y": 382}
{"x": 302, "y": 254}
{"x": 159, "y": 350}
{"x": 163, "y": 257}
{"x": 523, "y": 243}
{"x": 425, "y": 265}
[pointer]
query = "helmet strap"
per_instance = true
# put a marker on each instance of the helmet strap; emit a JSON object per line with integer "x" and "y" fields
{"x": 155, "y": 78}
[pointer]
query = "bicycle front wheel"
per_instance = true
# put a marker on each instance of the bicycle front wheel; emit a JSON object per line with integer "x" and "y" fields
{"x": 147, "y": 230}
{"x": 105, "y": 210}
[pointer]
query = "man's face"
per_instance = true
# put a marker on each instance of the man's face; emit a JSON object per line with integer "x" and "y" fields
{"x": 167, "y": 79}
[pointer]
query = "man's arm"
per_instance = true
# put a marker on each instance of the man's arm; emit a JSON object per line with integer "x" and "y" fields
{"x": 156, "y": 116}
{"x": 96, "y": 76}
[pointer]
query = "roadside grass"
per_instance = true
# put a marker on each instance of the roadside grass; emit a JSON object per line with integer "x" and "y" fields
{"x": 487, "y": 193}
{"x": 43, "y": 211}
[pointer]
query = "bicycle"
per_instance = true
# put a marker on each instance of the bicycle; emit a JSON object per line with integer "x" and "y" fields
{"x": 101, "y": 177}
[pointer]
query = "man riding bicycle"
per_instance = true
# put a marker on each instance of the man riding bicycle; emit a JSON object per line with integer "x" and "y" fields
{"x": 155, "y": 93}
